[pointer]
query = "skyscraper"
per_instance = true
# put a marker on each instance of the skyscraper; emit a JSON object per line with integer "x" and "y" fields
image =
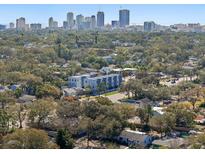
{"x": 149, "y": 26}
{"x": 79, "y": 21}
{"x": 65, "y": 24}
{"x": 21, "y": 23}
{"x": 70, "y": 20}
{"x": 35, "y": 26}
{"x": 93, "y": 22}
{"x": 50, "y": 22}
{"x": 87, "y": 23}
{"x": 100, "y": 19}
{"x": 124, "y": 18}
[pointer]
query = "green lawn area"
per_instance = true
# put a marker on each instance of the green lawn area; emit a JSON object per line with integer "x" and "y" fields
{"x": 110, "y": 93}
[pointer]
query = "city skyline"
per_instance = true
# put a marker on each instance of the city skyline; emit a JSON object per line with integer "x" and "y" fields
{"x": 161, "y": 14}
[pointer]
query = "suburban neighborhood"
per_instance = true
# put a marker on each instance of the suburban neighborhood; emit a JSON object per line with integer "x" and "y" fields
{"x": 89, "y": 85}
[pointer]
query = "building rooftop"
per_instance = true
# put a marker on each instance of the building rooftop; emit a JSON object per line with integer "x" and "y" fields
{"x": 133, "y": 135}
{"x": 94, "y": 75}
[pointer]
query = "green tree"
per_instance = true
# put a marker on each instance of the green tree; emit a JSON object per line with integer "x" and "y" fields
{"x": 100, "y": 121}
{"x": 88, "y": 91}
{"x": 18, "y": 112}
{"x": 69, "y": 115}
{"x": 126, "y": 110}
{"x": 18, "y": 92}
{"x": 64, "y": 139}
{"x": 145, "y": 114}
{"x": 103, "y": 101}
{"x": 6, "y": 98}
{"x": 184, "y": 117}
{"x": 5, "y": 121}
{"x": 27, "y": 139}
{"x": 197, "y": 141}
{"x": 47, "y": 90}
{"x": 164, "y": 123}
{"x": 40, "y": 111}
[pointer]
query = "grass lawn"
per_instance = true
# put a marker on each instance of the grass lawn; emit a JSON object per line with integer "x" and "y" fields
{"x": 110, "y": 93}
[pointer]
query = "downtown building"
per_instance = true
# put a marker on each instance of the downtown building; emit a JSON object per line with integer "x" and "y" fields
{"x": 100, "y": 19}
{"x": 149, "y": 26}
{"x": 35, "y": 26}
{"x": 70, "y": 20}
{"x": 93, "y": 22}
{"x": 115, "y": 23}
{"x": 87, "y": 23}
{"x": 124, "y": 18}
{"x": 52, "y": 24}
{"x": 21, "y": 24}
{"x": 65, "y": 25}
{"x": 79, "y": 21}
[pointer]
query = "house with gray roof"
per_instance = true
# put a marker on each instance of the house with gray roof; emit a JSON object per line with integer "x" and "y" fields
{"x": 134, "y": 139}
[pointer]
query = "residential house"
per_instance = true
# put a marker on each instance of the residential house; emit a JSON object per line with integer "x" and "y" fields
{"x": 134, "y": 139}
{"x": 143, "y": 102}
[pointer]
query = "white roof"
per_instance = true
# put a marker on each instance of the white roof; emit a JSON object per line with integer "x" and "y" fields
{"x": 158, "y": 109}
{"x": 129, "y": 69}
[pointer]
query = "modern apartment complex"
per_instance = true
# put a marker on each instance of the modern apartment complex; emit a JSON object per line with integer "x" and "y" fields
{"x": 110, "y": 82}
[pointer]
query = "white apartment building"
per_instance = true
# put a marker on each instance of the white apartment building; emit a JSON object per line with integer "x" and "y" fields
{"x": 111, "y": 81}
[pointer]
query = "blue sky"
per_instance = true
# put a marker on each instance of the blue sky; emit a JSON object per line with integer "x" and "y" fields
{"x": 162, "y": 14}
